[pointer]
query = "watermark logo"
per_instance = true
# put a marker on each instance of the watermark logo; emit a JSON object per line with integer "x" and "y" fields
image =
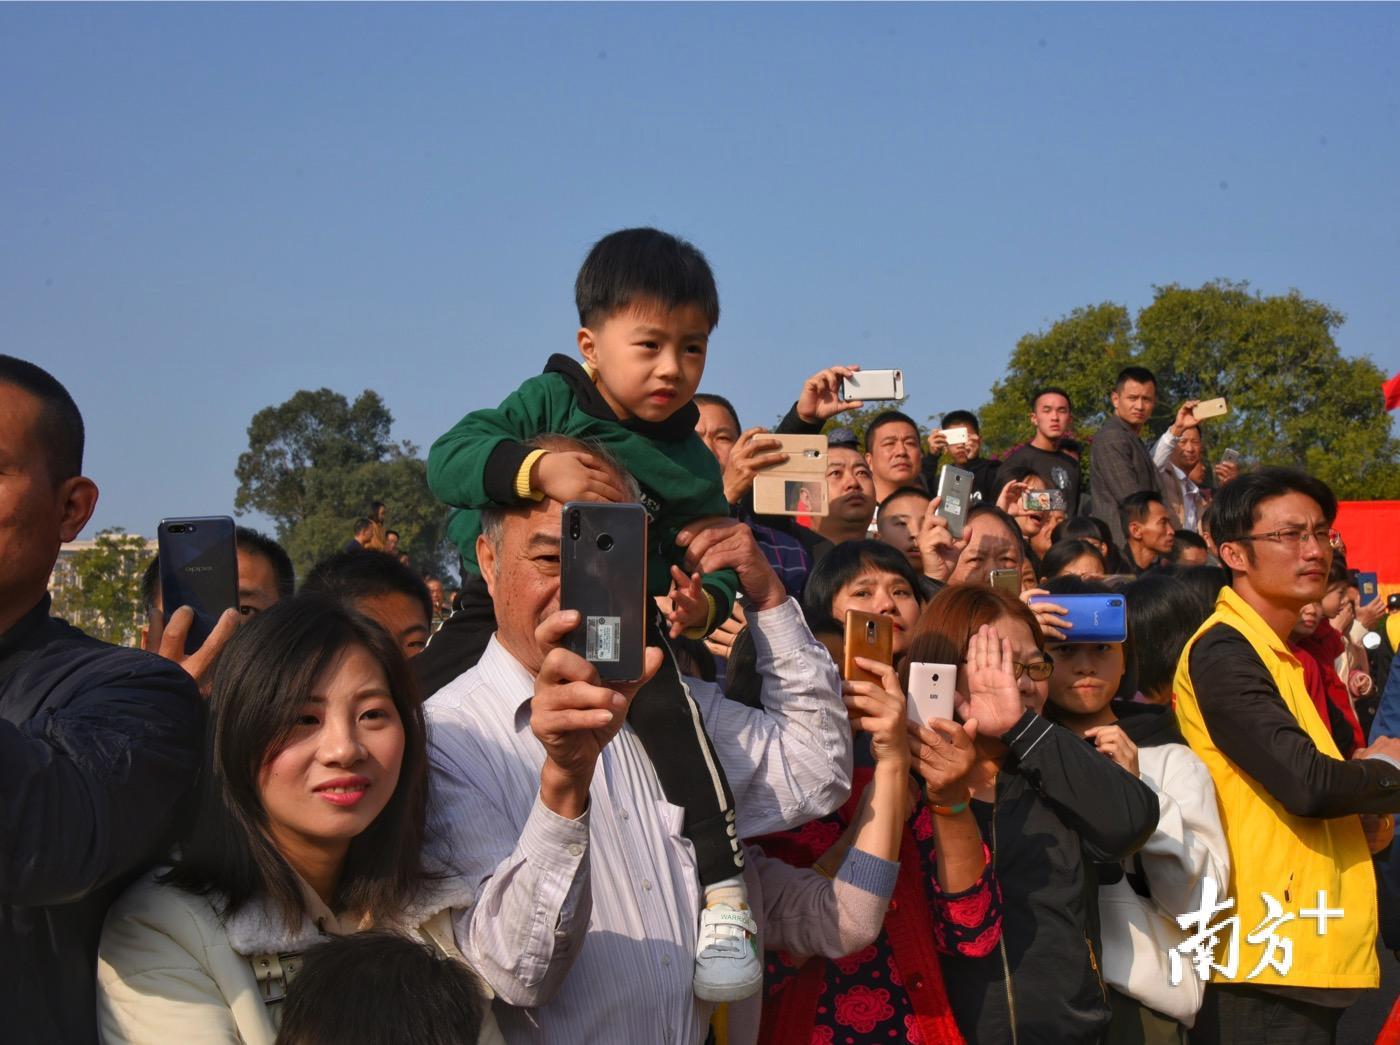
{"x": 1205, "y": 931}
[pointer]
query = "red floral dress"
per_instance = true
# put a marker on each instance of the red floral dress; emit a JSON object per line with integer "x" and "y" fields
{"x": 892, "y": 991}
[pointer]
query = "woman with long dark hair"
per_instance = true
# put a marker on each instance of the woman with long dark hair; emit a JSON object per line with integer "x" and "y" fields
{"x": 310, "y": 825}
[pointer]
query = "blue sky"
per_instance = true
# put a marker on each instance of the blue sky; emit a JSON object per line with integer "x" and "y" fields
{"x": 205, "y": 208}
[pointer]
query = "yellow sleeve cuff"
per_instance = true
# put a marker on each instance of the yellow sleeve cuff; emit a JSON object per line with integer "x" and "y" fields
{"x": 704, "y": 629}
{"x": 522, "y": 477}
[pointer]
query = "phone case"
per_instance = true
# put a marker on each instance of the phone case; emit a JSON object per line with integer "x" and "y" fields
{"x": 1370, "y": 585}
{"x": 932, "y": 691}
{"x": 956, "y": 436}
{"x": 1211, "y": 408}
{"x": 603, "y": 575}
{"x": 198, "y": 569}
{"x": 778, "y": 490}
{"x": 1230, "y": 456}
{"x": 866, "y": 385}
{"x": 1008, "y": 581}
{"x": 955, "y": 487}
{"x": 1093, "y": 618}
{"x": 1043, "y": 500}
{"x": 867, "y": 635}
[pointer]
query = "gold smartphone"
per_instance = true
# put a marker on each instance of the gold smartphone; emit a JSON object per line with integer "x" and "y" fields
{"x": 1211, "y": 408}
{"x": 868, "y": 635}
{"x": 797, "y": 486}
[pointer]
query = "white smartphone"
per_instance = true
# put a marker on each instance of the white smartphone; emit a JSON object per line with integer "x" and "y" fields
{"x": 1211, "y": 408}
{"x": 932, "y": 689}
{"x": 955, "y": 436}
{"x": 1230, "y": 456}
{"x": 866, "y": 385}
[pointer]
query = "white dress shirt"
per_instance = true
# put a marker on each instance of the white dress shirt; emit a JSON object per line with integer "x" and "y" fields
{"x": 586, "y": 928}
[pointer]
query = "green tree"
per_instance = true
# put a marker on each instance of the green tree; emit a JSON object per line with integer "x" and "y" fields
{"x": 314, "y": 464}
{"x": 100, "y": 590}
{"x": 1294, "y": 398}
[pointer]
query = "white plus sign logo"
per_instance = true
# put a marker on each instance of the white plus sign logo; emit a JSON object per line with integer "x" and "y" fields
{"x": 1321, "y": 912}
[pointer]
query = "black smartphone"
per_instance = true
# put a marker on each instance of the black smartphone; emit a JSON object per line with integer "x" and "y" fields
{"x": 198, "y": 569}
{"x": 603, "y": 575}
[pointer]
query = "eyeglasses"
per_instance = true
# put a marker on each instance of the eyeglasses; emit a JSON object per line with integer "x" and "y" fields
{"x": 1039, "y": 671}
{"x": 1295, "y": 536}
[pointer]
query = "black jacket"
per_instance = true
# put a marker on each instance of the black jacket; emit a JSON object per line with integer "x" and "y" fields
{"x": 98, "y": 748}
{"x": 1060, "y": 808}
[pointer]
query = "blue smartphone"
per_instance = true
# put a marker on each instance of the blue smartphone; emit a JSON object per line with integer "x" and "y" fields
{"x": 1370, "y": 585}
{"x": 1093, "y": 618}
{"x": 198, "y": 569}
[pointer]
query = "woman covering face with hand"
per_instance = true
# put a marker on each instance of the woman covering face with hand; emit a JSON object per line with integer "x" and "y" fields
{"x": 944, "y": 896}
{"x": 1138, "y": 906}
{"x": 1049, "y": 806}
{"x": 310, "y": 824}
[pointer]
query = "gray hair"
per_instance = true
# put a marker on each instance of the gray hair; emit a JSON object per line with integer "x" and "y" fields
{"x": 493, "y": 519}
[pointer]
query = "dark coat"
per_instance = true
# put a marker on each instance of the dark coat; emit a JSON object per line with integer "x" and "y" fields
{"x": 1119, "y": 466}
{"x": 99, "y": 747}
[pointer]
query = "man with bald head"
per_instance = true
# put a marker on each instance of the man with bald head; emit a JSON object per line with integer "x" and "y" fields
{"x": 546, "y": 802}
{"x": 98, "y": 745}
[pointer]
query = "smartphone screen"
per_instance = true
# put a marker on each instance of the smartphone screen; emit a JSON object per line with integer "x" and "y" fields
{"x": 603, "y": 575}
{"x": 198, "y": 569}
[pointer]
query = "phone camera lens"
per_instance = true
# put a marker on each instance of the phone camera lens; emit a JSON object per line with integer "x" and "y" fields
{"x": 573, "y": 525}
{"x": 177, "y": 529}
{"x": 870, "y": 631}
{"x": 605, "y": 542}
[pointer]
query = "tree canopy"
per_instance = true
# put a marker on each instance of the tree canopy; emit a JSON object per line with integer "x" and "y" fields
{"x": 1294, "y": 398}
{"x": 316, "y": 462}
{"x": 101, "y": 592}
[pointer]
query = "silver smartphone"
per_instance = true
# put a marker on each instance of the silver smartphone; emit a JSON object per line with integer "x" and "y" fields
{"x": 932, "y": 688}
{"x": 1230, "y": 456}
{"x": 955, "y": 489}
{"x": 866, "y": 385}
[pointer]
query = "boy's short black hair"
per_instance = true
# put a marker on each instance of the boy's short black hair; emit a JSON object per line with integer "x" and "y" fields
{"x": 1140, "y": 374}
{"x": 1050, "y": 390}
{"x": 362, "y": 524}
{"x": 381, "y": 988}
{"x": 889, "y": 417}
{"x": 250, "y": 540}
{"x": 643, "y": 263}
{"x": 1136, "y": 507}
{"x": 903, "y": 491}
{"x": 60, "y": 423}
{"x": 961, "y": 418}
{"x": 704, "y": 398}
{"x": 1236, "y": 503}
{"x": 1187, "y": 539}
{"x": 349, "y": 576}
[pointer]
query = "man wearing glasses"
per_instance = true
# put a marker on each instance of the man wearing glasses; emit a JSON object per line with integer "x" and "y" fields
{"x": 1304, "y": 893}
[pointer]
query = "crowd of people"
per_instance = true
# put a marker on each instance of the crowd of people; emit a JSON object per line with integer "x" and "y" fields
{"x": 365, "y": 810}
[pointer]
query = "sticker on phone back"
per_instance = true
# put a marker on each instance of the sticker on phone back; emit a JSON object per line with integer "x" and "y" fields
{"x": 602, "y": 642}
{"x": 953, "y": 503}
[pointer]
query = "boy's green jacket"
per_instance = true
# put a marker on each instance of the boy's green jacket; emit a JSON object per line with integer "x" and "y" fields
{"x": 475, "y": 464}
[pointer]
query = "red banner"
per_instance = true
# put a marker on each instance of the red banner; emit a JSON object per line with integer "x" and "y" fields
{"x": 1371, "y": 531}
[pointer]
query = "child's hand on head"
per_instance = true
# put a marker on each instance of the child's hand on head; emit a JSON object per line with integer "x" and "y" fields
{"x": 570, "y": 475}
{"x": 690, "y": 608}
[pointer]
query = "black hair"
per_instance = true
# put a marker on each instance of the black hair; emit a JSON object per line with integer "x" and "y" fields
{"x": 632, "y": 264}
{"x": 264, "y": 676}
{"x": 1071, "y": 445}
{"x": 982, "y": 508}
{"x": 1187, "y": 539}
{"x": 1015, "y": 474}
{"x": 903, "y": 491}
{"x": 888, "y": 417}
{"x": 250, "y": 540}
{"x": 392, "y": 533}
{"x": 1164, "y": 611}
{"x": 844, "y": 564}
{"x": 1204, "y": 582}
{"x": 61, "y": 432}
{"x": 381, "y": 988}
{"x": 374, "y": 506}
{"x": 1236, "y": 505}
{"x": 361, "y": 525}
{"x": 1062, "y": 553}
{"x": 1338, "y": 573}
{"x": 957, "y": 418}
{"x": 1140, "y": 374}
{"x": 1049, "y": 390}
{"x": 1071, "y": 584}
{"x": 1136, "y": 506}
{"x": 350, "y": 576}
{"x": 742, "y": 682}
{"x": 709, "y": 398}
{"x": 1080, "y": 527}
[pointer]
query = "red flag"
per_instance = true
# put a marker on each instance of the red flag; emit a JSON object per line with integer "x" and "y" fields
{"x": 1391, "y": 389}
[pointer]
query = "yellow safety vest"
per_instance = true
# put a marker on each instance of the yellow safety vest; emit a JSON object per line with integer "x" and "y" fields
{"x": 1272, "y": 851}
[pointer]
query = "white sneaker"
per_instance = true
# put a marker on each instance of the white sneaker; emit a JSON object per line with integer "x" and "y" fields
{"x": 727, "y": 965}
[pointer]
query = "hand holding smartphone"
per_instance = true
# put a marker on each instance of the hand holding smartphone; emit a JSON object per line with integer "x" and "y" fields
{"x": 198, "y": 569}
{"x": 603, "y": 576}
{"x": 932, "y": 691}
{"x": 954, "y": 491}
{"x": 868, "y": 635}
{"x": 1092, "y": 618}
{"x": 868, "y": 385}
